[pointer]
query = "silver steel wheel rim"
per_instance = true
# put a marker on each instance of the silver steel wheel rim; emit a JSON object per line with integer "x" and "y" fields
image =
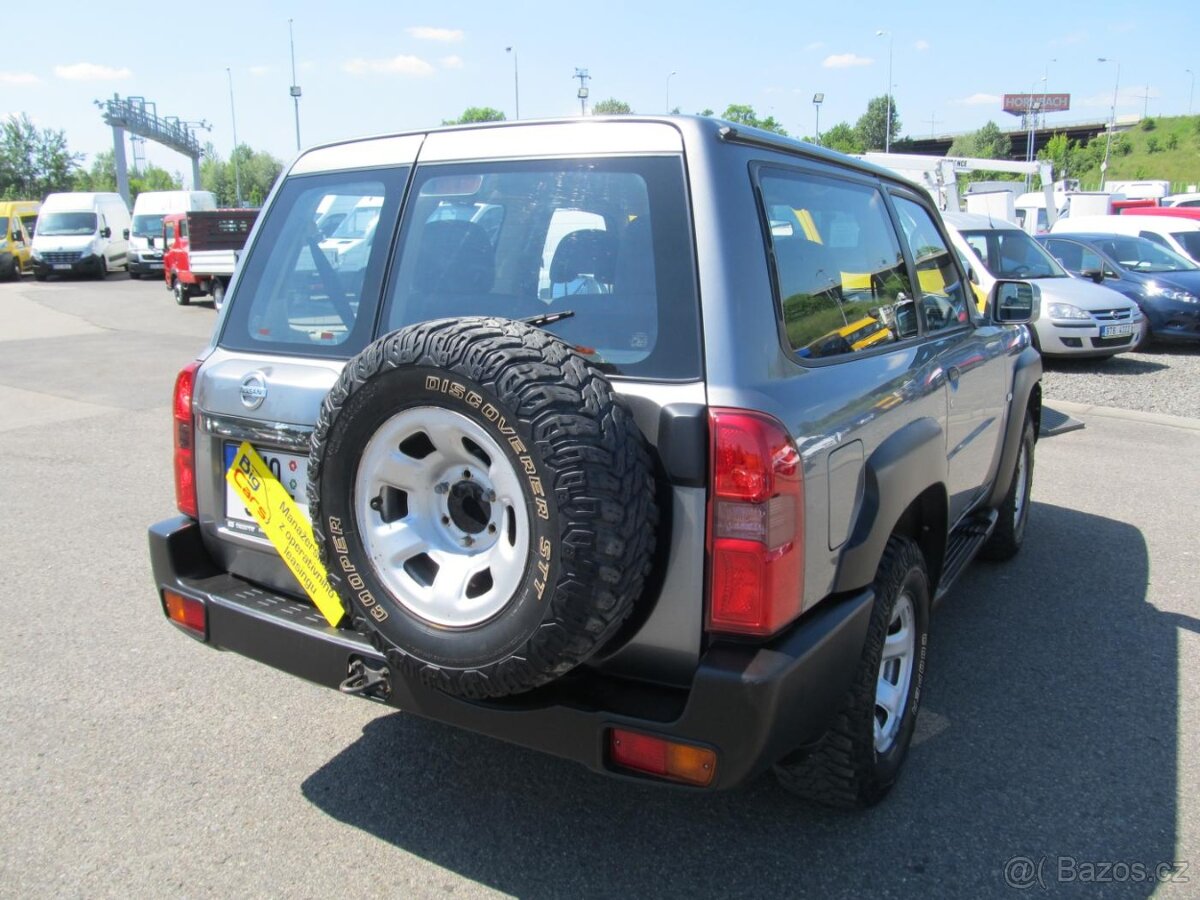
{"x": 895, "y": 673}
{"x": 1021, "y": 493}
{"x": 457, "y": 553}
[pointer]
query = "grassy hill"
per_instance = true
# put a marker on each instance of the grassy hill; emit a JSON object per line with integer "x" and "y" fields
{"x": 1155, "y": 148}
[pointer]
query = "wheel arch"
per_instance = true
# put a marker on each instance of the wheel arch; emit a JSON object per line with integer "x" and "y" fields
{"x": 904, "y": 493}
{"x": 1026, "y": 398}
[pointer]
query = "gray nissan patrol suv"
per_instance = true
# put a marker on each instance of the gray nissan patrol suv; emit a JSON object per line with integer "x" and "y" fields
{"x": 648, "y": 443}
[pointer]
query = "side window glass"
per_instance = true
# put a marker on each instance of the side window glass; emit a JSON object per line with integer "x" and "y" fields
{"x": 169, "y": 231}
{"x": 837, "y": 265}
{"x": 1156, "y": 238}
{"x": 943, "y": 294}
{"x": 1068, "y": 253}
{"x": 30, "y": 223}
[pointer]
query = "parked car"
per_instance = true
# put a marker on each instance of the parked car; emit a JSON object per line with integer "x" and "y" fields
{"x": 1175, "y": 233}
{"x": 1164, "y": 284}
{"x": 1184, "y": 200}
{"x": 630, "y": 524}
{"x": 1078, "y": 318}
{"x": 80, "y": 233}
{"x": 17, "y": 220}
{"x": 145, "y": 234}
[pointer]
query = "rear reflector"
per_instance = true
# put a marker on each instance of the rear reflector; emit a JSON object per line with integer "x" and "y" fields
{"x": 187, "y": 613}
{"x": 185, "y": 440}
{"x": 661, "y": 758}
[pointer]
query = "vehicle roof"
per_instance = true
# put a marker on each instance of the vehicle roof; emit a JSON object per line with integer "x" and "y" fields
{"x": 654, "y": 130}
{"x": 1126, "y": 223}
{"x": 975, "y": 222}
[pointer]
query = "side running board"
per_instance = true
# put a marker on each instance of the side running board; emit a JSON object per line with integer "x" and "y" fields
{"x": 965, "y": 541}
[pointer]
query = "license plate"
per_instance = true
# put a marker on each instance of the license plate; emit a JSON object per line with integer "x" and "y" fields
{"x": 289, "y": 470}
{"x": 1111, "y": 331}
{"x": 62, "y": 266}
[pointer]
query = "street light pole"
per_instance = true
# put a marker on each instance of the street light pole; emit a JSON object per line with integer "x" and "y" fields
{"x": 818, "y": 99}
{"x": 887, "y": 139}
{"x": 516, "y": 81}
{"x": 669, "y": 77}
{"x": 237, "y": 178}
{"x": 1112, "y": 121}
{"x": 295, "y": 88}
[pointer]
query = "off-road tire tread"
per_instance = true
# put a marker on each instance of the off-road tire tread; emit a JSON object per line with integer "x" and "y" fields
{"x": 1004, "y": 541}
{"x": 840, "y": 771}
{"x": 603, "y": 485}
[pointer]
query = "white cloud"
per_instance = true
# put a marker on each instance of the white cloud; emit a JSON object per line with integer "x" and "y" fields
{"x": 979, "y": 100}
{"x": 1122, "y": 27}
{"x": 91, "y": 72}
{"x": 846, "y": 61}
{"x": 260, "y": 70}
{"x": 397, "y": 65}
{"x": 307, "y": 65}
{"x": 451, "y": 62}
{"x": 815, "y": 45}
{"x": 921, "y": 45}
{"x": 19, "y": 78}
{"x": 445, "y": 35}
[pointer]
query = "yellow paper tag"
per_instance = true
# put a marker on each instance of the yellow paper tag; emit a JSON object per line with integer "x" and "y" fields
{"x": 285, "y": 526}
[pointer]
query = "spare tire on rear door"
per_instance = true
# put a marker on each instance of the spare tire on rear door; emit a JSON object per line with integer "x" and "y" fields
{"x": 484, "y": 503}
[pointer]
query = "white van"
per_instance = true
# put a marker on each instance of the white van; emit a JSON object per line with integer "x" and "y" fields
{"x": 80, "y": 233}
{"x": 145, "y": 235}
{"x": 1173, "y": 232}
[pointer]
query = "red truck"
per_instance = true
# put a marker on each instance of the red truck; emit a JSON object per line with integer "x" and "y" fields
{"x": 200, "y": 250}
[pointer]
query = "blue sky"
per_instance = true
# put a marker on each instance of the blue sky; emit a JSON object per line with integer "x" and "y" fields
{"x": 367, "y": 68}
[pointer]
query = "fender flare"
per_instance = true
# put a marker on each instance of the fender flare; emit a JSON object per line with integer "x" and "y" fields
{"x": 900, "y": 470}
{"x": 1026, "y": 397}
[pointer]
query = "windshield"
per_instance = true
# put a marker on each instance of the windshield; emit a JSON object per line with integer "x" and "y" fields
{"x": 1190, "y": 240}
{"x": 67, "y": 223}
{"x": 1140, "y": 255}
{"x": 1009, "y": 253}
{"x": 147, "y": 226}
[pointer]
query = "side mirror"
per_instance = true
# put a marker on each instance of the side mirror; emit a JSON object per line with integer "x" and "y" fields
{"x": 972, "y": 276}
{"x": 1097, "y": 275}
{"x": 150, "y": 241}
{"x": 126, "y": 233}
{"x": 1015, "y": 302}
{"x": 106, "y": 232}
{"x": 16, "y": 237}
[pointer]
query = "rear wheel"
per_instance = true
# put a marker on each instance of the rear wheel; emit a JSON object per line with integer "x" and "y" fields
{"x": 858, "y": 760}
{"x": 1144, "y": 340}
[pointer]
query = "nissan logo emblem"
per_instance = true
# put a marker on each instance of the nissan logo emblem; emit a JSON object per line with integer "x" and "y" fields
{"x": 253, "y": 390}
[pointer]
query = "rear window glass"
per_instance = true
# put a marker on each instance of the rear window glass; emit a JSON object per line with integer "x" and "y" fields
{"x": 839, "y": 271}
{"x": 605, "y": 244}
{"x": 309, "y": 288}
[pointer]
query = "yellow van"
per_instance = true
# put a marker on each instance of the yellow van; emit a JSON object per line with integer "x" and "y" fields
{"x": 17, "y": 218}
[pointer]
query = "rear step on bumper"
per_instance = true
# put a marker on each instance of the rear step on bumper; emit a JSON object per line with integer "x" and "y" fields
{"x": 753, "y": 704}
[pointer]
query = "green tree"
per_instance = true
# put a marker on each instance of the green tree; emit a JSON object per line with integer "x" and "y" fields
{"x": 989, "y": 142}
{"x": 611, "y": 107}
{"x": 34, "y": 162}
{"x": 872, "y": 126}
{"x": 256, "y": 170}
{"x": 476, "y": 114}
{"x": 743, "y": 114}
{"x": 1057, "y": 152}
{"x": 102, "y": 176}
{"x": 843, "y": 138}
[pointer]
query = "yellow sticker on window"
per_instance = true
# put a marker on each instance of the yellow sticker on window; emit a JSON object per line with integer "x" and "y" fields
{"x": 285, "y": 526}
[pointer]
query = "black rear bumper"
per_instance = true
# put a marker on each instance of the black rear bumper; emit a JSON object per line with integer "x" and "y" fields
{"x": 752, "y": 704}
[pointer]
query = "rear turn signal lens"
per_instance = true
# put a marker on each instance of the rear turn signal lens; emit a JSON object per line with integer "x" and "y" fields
{"x": 187, "y": 613}
{"x": 685, "y": 763}
{"x": 185, "y": 440}
{"x": 755, "y": 524}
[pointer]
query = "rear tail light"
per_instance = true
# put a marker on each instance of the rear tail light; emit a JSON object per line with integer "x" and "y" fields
{"x": 185, "y": 441}
{"x": 186, "y": 612}
{"x": 661, "y": 758}
{"x": 756, "y": 524}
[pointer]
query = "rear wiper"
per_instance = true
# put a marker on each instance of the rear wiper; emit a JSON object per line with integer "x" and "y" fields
{"x": 548, "y": 318}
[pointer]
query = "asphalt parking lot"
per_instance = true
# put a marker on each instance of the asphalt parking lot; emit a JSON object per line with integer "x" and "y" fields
{"x": 1056, "y": 748}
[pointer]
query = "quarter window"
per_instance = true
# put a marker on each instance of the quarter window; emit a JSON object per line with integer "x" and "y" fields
{"x": 943, "y": 292}
{"x": 838, "y": 269}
